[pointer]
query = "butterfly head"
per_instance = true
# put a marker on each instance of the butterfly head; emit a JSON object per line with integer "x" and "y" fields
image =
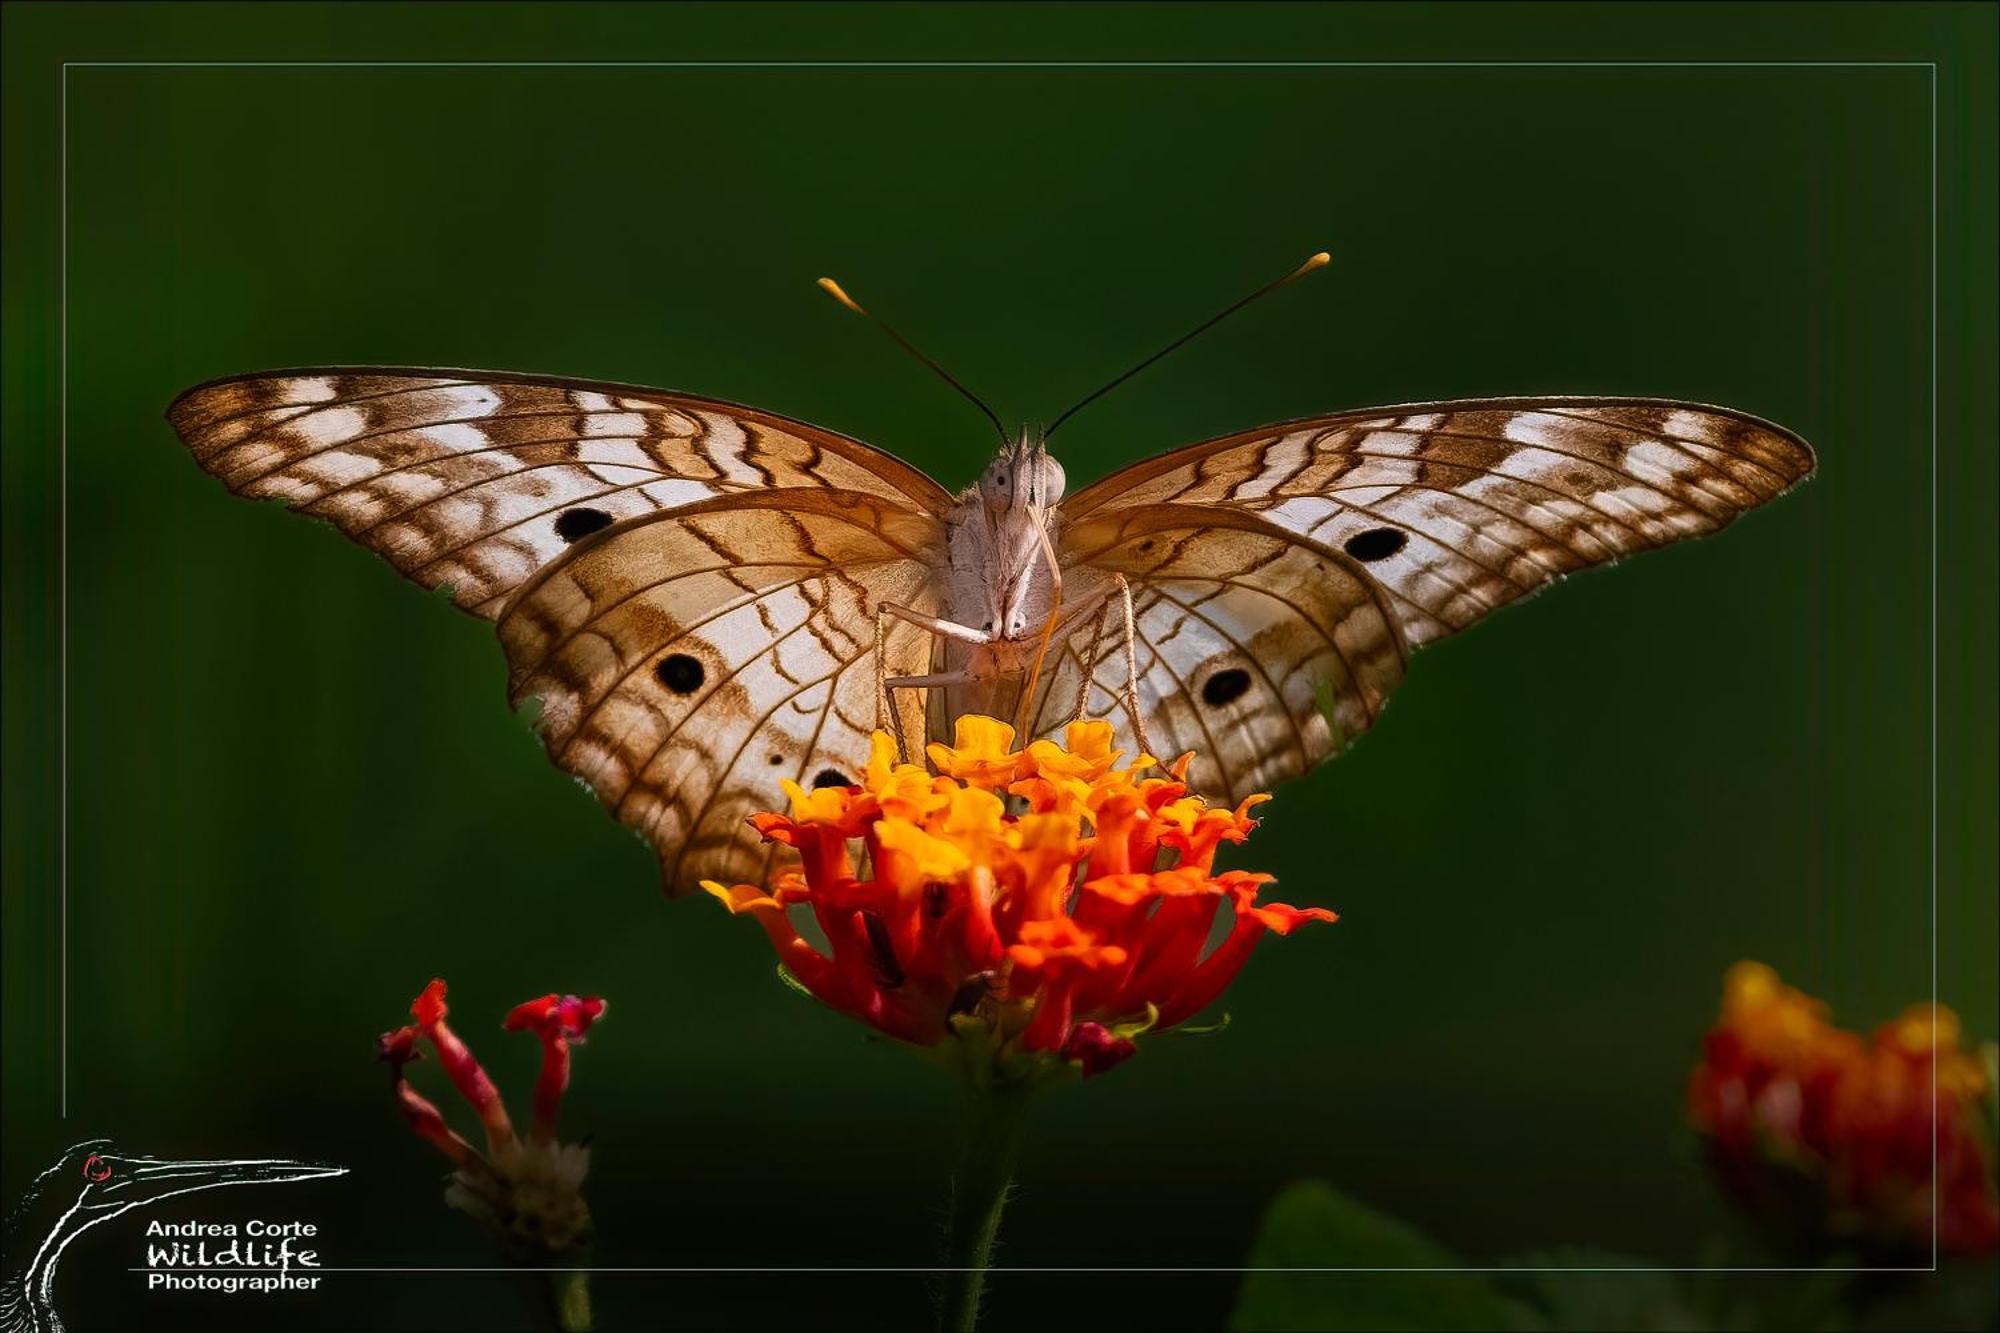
{"x": 1023, "y": 476}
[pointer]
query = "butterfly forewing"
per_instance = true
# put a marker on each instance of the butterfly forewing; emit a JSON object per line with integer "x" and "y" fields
{"x": 686, "y": 662}
{"x": 475, "y": 480}
{"x": 1459, "y": 508}
{"x": 1258, "y": 650}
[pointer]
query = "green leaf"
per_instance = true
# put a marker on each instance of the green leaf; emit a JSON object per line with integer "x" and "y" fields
{"x": 1599, "y": 1290}
{"x": 1310, "y": 1225}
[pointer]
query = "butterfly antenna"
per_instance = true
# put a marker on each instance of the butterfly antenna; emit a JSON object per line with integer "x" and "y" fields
{"x": 833, "y": 289}
{"x": 1318, "y": 261}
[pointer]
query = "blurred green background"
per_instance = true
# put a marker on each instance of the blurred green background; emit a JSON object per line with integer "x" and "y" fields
{"x": 295, "y": 793}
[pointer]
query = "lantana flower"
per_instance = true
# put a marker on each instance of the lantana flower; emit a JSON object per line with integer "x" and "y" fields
{"x": 1830, "y": 1134}
{"x": 1025, "y": 912}
{"x": 528, "y": 1189}
{"x": 1046, "y": 904}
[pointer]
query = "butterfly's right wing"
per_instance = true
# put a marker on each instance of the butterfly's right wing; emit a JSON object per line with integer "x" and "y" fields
{"x": 686, "y": 661}
{"x": 1459, "y": 508}
{"x": 476, "y": 479}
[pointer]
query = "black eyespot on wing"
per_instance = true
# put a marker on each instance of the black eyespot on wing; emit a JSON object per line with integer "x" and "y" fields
{"x": 776, "y": 759}
{"x": 573, "y": 525}
{"x": 1224, "y": 687}
{"x": 1376, "y": 543}
{"x": 680, "y": 673}
{"x": 831, "y": 777}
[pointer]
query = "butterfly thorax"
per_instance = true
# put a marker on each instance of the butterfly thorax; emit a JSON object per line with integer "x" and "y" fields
{"x": 1002, "y": 545}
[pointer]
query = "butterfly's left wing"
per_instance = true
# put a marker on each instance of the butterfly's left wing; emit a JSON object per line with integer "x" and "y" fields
{"x": 688, "y": 660}
{"x": 1259, "y": 650}
{"x": 1458, "y": 508}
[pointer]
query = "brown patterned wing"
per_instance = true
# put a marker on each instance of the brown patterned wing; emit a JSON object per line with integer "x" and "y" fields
{"x": 687, "y": 661}
{"x": 476, "y": 479}
{"x": 1461, "y": 507}
{"x": 1260, "y": 650}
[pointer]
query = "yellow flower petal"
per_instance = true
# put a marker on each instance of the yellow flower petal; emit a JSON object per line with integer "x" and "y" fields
{"x": 821, "y": 805}
{"x": 982, "y": 753}
{"x": 972, "y": 815}
{"x": 932, "y": 858}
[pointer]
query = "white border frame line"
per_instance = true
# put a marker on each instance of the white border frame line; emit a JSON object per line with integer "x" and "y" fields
{"x": 62, "y": 527}
{"x": 912, "y": 1270}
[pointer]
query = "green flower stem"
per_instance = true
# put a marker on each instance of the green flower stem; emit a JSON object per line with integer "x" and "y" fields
{"x": 995, "y": 1114}
{"x": 570, "y": 1293}
{"x": 558, "y": 1299}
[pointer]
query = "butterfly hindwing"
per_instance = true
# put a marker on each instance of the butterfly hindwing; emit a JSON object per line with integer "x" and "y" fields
{"x": 1458, "y": 508}
{"x": 687, "y": 661}
{"x": 476, "y": 479}
{"x": 1257, "y": 649}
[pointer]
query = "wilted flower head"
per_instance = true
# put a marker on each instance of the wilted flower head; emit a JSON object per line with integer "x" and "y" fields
{"x": 1830, "y": 1135}
{"x": 526, "y": 1189}
{"x": 1046, "y": 900}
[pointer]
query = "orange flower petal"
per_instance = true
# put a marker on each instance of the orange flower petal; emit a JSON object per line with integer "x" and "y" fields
{"x": 741, "y": 898}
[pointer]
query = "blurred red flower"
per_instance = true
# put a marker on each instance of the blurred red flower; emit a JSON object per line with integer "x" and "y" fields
{"x": 1831, "y": 1134}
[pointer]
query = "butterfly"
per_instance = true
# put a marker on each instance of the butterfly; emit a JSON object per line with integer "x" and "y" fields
{"x": 705, "y": 597}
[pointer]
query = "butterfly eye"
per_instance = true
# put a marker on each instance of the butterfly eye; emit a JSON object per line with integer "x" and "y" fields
{"x": 1052, "y": 481}
{"x": 1376, "y": 543}
{"x": 1225, "y": 687}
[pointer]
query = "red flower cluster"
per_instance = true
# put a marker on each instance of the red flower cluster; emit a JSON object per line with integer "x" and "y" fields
{"x": 1064, "y": 929}
{"x": 1818, "y": 1127}
{"x": 526, "y": 1190}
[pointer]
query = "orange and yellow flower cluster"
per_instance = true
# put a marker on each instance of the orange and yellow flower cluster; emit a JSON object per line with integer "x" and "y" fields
{"x": 1055, "y": 900}
{"x": 1833, "y": 1133}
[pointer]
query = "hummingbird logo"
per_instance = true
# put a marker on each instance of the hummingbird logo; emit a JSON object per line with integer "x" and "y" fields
{"x": 92, "y": 1184}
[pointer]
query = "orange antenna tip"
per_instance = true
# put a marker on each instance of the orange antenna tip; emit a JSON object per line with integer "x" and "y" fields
{"x": 1318, "y": 261}
{"x": 833, "y": 289}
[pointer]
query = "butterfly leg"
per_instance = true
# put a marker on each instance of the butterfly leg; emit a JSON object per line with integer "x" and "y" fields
{"x": 886, "y": 716}
{"x": 1047, "y": 553}
{"x": 892, "y": 683}
{"x": 1132, "y": 665}
{"x": 1090, "y": 660}
{"x": 1099, "y": 603}
{"x": 949, "y": 629}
